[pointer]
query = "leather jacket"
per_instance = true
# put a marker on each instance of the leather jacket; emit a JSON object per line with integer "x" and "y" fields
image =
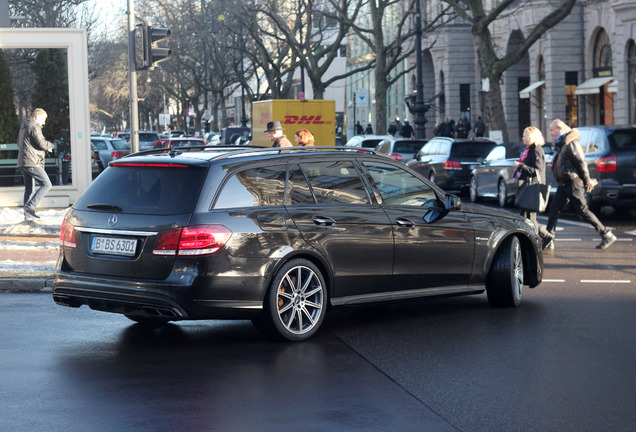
{"x": 569, "y": 162}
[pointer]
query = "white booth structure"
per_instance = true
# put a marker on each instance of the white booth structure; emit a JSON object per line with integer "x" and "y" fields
{"x": 74, "y": 42}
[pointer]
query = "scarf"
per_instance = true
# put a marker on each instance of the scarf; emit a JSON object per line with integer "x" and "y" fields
{"x": 524, "y": 155}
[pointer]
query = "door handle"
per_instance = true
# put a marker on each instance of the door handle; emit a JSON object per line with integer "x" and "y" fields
{"x": 404, "y": 222}
{"x": 323, "y": 221}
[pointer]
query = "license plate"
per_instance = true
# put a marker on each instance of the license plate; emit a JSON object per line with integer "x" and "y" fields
{"x": 113, "y": 246}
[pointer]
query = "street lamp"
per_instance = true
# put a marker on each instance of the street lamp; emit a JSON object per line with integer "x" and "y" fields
{"x": 420, "y": 107}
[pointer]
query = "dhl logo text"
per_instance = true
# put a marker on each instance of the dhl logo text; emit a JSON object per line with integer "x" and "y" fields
{"x": 289, "y": 119}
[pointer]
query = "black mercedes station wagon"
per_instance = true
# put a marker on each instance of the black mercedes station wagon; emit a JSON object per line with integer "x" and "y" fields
{"x": 279, "y": 236}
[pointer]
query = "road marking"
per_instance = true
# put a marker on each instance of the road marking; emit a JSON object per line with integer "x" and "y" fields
{"x": 567, "y": 240}
{"x": 554, "y": 280}
{"x": 605, "y": 281}
{"x": 631, "y": 233}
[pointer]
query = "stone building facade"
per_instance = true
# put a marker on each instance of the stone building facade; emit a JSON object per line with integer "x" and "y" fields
{"x": 583, "y": 70}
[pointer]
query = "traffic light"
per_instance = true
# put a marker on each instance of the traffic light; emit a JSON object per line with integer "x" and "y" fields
{"x": 152, "y": 53}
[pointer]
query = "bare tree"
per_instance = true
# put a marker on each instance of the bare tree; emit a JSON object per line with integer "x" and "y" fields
{"x": 492, "y": 65}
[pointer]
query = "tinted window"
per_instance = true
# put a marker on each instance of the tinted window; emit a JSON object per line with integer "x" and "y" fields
{"x": 397, "y": 186}
{"x": 155, "y": 190}
{"x": 623, "y": 140}
{"x": 148, "y": 137}
{"x": 371, "y": 143}
{"x": 407, "y": 146}
{"x": 255, "y": 187}
{"x": 335, "y": 182}
{"x": 471, "y": 150}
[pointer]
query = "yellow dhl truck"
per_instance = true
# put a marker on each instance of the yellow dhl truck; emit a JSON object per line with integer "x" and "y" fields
{"x": 317, "y": 116}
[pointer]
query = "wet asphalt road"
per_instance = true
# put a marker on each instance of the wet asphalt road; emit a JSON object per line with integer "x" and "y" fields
{"x": 563, "y": 361}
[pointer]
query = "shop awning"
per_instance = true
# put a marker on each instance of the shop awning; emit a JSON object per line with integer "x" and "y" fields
{"x": 525, "y": 93}
{"x": 592, "y": 86}
{"x": 613, "y": 87}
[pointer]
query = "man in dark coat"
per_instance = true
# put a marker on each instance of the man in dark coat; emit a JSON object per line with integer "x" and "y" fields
{"x": 407, "y": 130}
{"x": 571, "y": 173}
{"x": 31, "y": 153}
{"x": 480, "y": 127}
{"x": 446, "y": 129}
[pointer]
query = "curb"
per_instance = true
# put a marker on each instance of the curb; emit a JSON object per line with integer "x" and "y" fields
{"x": 27, "y": 284}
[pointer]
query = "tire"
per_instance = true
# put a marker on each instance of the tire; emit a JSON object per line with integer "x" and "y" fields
{"x": 431, "y": 177}
{"x": 296, "y": 301}
{"x": 505, "y": 279}
{"x": 502, "y": 193}
{"x": 473, "y": 189}
{"x": 148, "y": 321}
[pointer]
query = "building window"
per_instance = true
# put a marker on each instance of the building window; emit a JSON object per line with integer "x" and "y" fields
{"x": 571, "y": 101}
{"x": 603, "y": 68}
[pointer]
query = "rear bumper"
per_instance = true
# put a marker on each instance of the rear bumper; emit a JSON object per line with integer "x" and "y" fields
{"x": 616, "y": 195}
{"x": 204, "y": 299}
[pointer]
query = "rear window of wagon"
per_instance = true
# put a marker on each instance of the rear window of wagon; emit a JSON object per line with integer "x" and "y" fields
{"x": 156, "y": 190}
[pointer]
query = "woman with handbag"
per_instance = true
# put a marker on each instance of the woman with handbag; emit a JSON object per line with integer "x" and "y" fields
{"x": 530, "y": 170}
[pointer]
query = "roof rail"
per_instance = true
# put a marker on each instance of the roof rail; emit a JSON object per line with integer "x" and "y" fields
{"x": 237, "y": 151}
{"x": 291, "y": 150}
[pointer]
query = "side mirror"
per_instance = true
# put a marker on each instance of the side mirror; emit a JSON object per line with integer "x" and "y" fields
{"x": 453, "y": 202}
{"x": 480, "y": 160}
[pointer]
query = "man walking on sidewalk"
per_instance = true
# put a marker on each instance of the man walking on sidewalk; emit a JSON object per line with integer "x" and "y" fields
{"x": 31, "y": 152}
{"x": 571, "y": 173}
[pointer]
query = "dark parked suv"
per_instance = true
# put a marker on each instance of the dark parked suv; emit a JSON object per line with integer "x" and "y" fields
{"x": 279, "y": 236}
{"x": 610, "y": 152}
{"x": 448, "y": 162}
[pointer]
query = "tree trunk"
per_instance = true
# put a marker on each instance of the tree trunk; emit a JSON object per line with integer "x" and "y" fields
{"x": 494, "y": 116}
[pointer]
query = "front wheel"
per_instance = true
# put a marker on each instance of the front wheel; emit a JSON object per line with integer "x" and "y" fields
{"x": 296, "y": 301}
{"x": 505, "y": 279}
{"x": 473, "y": 189}
{"x": 502, "y": 193}
{"x": 431, "y": 177}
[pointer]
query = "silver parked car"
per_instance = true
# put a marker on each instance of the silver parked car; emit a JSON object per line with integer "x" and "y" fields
{"x": 493, "y": 177}
{"x": 400, "y": 149}
{"x": 110, "y": 149}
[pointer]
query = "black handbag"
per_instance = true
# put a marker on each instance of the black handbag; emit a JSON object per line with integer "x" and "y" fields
{"x": 533, "y": 197}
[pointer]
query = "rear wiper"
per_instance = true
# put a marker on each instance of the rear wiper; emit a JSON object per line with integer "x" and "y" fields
{"x": 102, "y": 206}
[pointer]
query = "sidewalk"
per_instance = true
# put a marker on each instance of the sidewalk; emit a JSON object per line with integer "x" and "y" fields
{"x": 28, "y": 250}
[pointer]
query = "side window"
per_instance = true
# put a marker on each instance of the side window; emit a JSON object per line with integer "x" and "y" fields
{"x": 299, "y": 191}
{"x": 255, "y": 187}
{"x": 397, "y": 186}
{"x": 335, "y": 182}
{"x": 594, "y": 143}
{"x": 497, "y": 153}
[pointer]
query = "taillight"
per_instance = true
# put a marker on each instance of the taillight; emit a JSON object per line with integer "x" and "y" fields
{"x": 452, "y": 165}
{"x": 194, "y": 240}
{"x": 117, "y": 154}
{"x": 67, "y": 235}
{"x": 606, "y": 164}
{"x": 397, "y": 157}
